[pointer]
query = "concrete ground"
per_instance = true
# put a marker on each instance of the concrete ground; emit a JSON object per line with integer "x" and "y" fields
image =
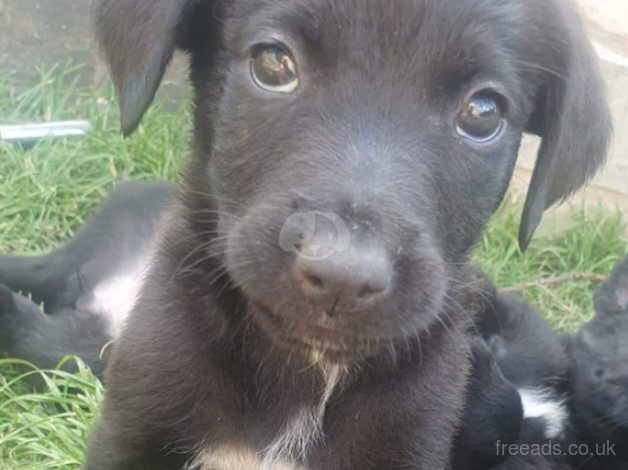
{"x": 39, "y": 32}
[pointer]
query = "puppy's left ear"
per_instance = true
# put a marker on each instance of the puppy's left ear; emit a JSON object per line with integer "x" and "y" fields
{"x": 138, "y": 38}
{"x": 571, "y": 114}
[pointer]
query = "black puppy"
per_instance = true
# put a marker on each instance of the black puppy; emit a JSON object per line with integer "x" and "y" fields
{"x": 90, "y": 314}
{"x": 518, "y": 393}
{"x": 388, "y": 128}
{"x": 532, "y": 357}
{"x": 87, "y": 287}
{"x": 493, "y": 413}
{"x": 574, "y": 390}
{"x": 598, "y": 374}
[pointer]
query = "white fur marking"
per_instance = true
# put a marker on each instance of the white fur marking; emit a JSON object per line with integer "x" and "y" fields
{"x": 233, "y": 457}
{"x": 115, "y": 297}
{"x": 303, "y": 430}
{"x": 544, "y": 404}
{"x": 297, "y": 436}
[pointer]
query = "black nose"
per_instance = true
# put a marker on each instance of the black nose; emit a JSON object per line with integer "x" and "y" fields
{"x": 359, "y": 276}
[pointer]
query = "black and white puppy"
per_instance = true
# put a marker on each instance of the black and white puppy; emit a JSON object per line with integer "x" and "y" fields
{"x": 77, "y": 298}
{"x": 518, "y": 392}
{"x": 532, "y": 357}
{"x": 573, "y": 390}
{"x": 309, "y": 297}
{"x": 493, "y": 413}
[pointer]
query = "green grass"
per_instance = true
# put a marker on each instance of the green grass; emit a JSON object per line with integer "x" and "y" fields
{"x": 46, "y": 191}
{"x": 45, "y": 430}
{"x": 592, "y": 243}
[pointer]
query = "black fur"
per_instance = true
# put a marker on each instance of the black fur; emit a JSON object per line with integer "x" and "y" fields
{"x": 587, "y": 370}
{"x": 532, "y": 359}
{"x": 535, "y": 462}
{"x": 493, "y": 413}
{"x": 45, "y": 340}
{"x": 598, "y": 374}
{"x": 527, "y": 350}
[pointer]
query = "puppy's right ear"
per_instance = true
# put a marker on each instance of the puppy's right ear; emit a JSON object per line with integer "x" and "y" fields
{"x": 138, "y": 38}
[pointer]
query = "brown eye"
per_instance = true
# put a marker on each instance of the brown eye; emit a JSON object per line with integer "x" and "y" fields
{"x": 481, "y": 117}
{"x": 274, "y": 69}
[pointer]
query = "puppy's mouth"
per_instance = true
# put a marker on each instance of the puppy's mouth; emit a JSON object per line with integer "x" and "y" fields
{"x": 318, "y": 343}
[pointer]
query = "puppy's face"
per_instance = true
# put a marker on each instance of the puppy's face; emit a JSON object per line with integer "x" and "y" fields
{"x": 388, "y": 130}
{"x": 354, "y": 149}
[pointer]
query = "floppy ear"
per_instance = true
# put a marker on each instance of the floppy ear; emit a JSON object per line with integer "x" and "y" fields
{"x": 138, "y": 38}
{"x": 571, "y": 116}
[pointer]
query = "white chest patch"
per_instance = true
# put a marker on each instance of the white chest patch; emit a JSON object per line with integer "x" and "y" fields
{"x": 234, "y": 457}
{"x": 298, "y": 435}
{"x": 543, "y": 404}
{"x": 115, "y": 297}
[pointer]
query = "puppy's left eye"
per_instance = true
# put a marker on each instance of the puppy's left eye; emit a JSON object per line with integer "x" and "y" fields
{"x": 481, "y": 117}
{"x": 274, "y": 69}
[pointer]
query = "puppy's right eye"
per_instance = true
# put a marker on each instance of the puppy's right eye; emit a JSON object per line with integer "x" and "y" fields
{"x": 481, "y": 117}
{"x": 274, "y": 69}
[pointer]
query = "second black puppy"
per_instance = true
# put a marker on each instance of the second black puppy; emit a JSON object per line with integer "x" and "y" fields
{"x": 598, "y": 375}
{"x": 87, "y": 287}
{"x": 308, "y": 302}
